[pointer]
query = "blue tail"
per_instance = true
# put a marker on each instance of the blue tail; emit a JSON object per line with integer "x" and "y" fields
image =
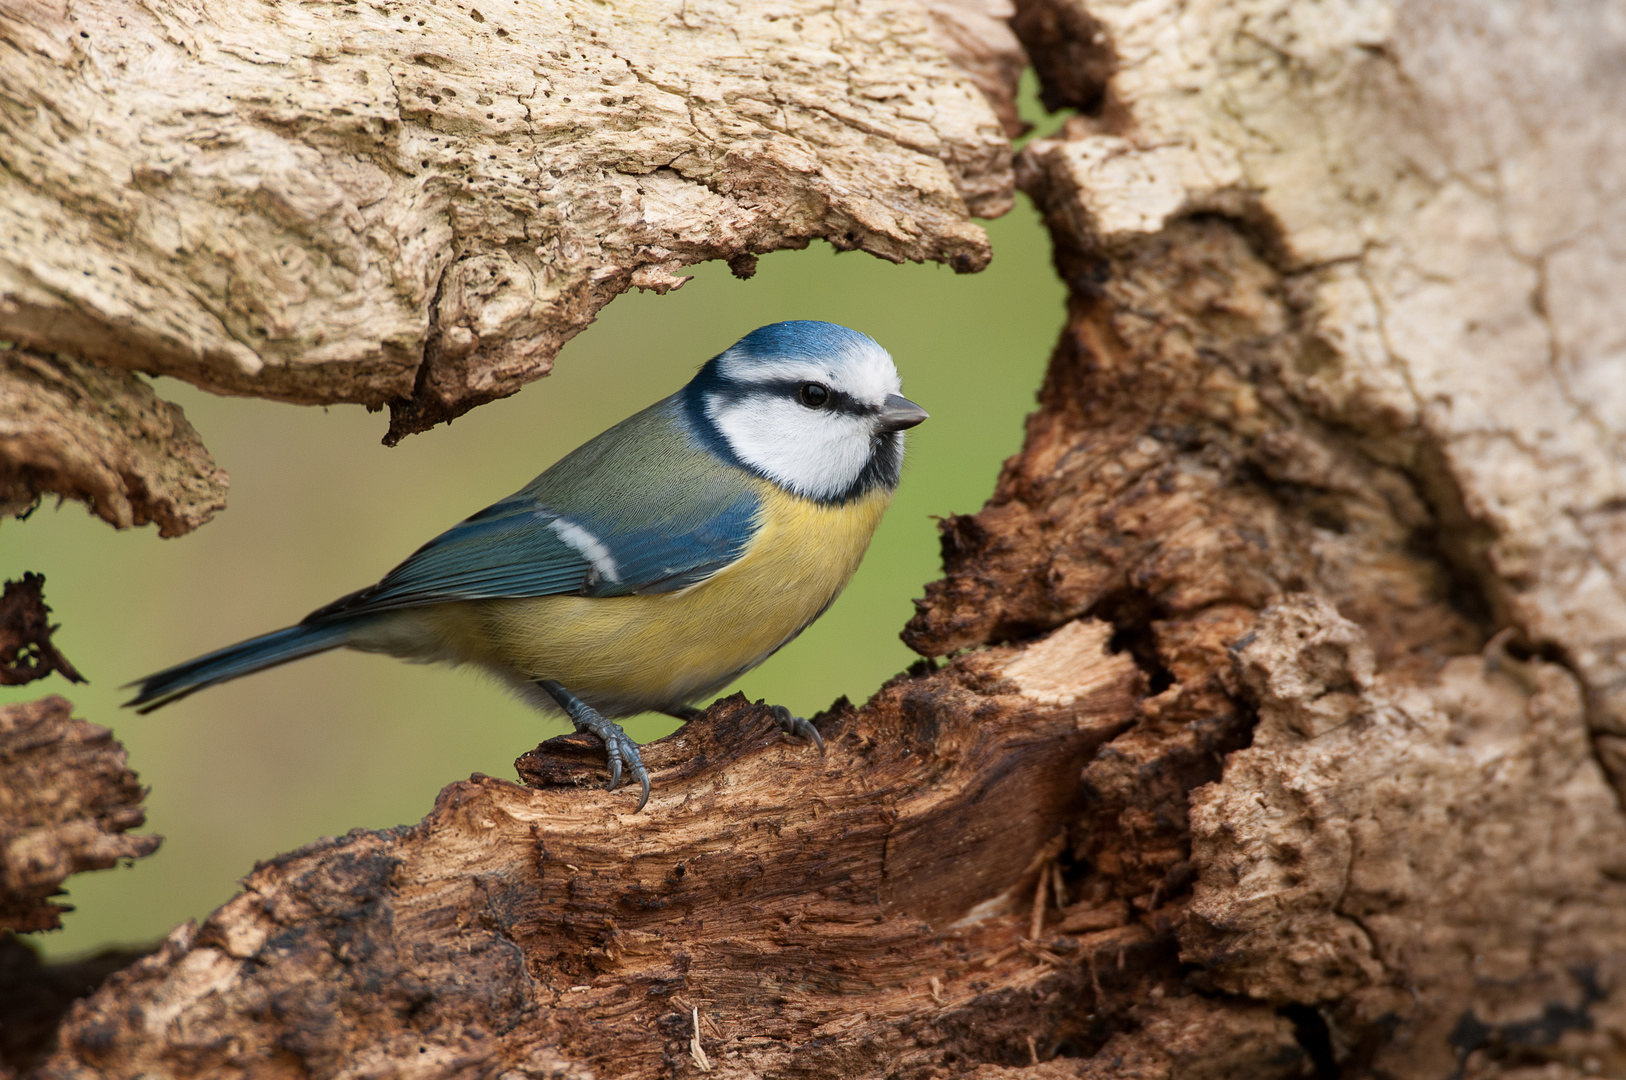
{"x": 246, "y": 657}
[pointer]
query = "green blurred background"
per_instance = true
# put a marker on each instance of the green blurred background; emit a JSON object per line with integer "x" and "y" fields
{"x": 318, "y": 508}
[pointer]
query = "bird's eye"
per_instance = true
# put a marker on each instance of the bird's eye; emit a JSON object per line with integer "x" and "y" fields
{"x": 814, "y": 395}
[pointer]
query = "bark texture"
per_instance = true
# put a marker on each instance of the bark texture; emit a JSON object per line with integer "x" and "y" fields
{"x": 1435, "y": 198}
{"x": 26, "y": 650}
{"x": 78, "y": 430}
{"x": 976, "y": 36}
{"x": 1319, "y": 365}
{"x": 770, "y": 912}
{"x": 67, "y": 802}
{"x": 35, "y": 995}
{"x": 1283, "y": 692}
{"x": 415, "y": 204}
{"x": 1438, "y": 867}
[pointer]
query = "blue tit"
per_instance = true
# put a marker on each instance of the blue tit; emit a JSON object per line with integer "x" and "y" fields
{"x": 654, "y": 564}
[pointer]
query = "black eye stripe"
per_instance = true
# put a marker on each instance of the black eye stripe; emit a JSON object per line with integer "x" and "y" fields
{"x": 840, "y": 401}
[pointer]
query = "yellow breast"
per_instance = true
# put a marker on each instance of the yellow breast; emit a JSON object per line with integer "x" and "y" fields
{"x": 630, "y": 654}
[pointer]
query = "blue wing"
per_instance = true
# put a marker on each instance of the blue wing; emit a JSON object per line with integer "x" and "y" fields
{"x": 521, "y": 547}
{"x": 642, "y": 508}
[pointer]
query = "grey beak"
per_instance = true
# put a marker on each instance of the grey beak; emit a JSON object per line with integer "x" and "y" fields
{"x": 899, "y": 412}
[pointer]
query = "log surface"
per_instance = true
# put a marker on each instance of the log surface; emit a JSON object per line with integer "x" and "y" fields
{"x": 101, "y": 435}
{"x": 415, "y": 204}
{"x": 764, "y": 890}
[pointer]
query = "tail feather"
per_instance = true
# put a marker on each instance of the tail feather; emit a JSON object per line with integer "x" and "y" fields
{"x": 246, "y": 657}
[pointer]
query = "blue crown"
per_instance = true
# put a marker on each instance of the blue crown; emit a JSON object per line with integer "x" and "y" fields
{"x": 799, "y": 339}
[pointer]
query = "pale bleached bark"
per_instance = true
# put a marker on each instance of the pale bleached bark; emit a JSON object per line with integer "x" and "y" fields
{"x": 1442, "y": 187}
{"x": 415, "y": 204}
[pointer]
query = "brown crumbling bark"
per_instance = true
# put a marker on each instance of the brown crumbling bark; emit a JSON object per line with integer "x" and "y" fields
{"x": 1278, "y": 394}
{"x": 1438, "y": 867}
{"x": 26, "y": 650}
{"x": 67, "y": 803}
{"x": 101, "y": 435}
{"x": 34, "y": 997}
{"x": 864, "y": 912}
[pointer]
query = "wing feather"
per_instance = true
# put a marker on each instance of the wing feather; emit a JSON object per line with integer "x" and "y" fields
{"x": 681, "y": 534}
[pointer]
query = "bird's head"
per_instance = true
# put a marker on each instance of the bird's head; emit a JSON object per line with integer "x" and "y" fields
{"x": 812, "y": 406}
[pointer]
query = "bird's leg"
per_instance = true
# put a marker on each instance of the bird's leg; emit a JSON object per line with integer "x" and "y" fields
{"x": 795, "y": 725}
{"x": 617, "y": 745}
{"x": 684, "y": 712}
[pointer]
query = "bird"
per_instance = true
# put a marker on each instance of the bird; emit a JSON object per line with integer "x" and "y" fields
{"x": 652, "y": 565}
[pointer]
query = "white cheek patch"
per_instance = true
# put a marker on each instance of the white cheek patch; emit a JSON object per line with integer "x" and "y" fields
{"x": 591, "y": 548}
{"x": 817, "y": 453}
{"x": 812, "y": 452}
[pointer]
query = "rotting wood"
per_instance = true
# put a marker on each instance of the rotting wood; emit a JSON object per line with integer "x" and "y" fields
{"x": 1439, "y": 867}
{"x": 976, "y": 36}
{"x": 35, "y": 995}
{"x": 764, "y": 886}
{"x": 26, "y": 651}
{"x": 1300, "y": 359}
{"x": 1328, "y": 464}
{"x": 415, "y": 206}
{"x": 1438, "y": 199}
{"x": 67, "y": 801}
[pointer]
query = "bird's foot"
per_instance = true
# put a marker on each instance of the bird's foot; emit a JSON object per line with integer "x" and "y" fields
{"x": 796, "y": 726}
{"x": 620, "y": 750}
{"x": 618, "y": 745}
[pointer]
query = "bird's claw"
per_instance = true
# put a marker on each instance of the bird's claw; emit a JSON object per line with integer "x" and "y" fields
{"x": 794, "y": 725}
{"x": 618, "y": 745}
{"x": 619, "y": 748}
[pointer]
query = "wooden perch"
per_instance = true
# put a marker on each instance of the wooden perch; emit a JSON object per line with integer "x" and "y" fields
{"x": 764, "y": 890}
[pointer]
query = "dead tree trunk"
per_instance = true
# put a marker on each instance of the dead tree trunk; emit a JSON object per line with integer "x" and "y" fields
{"x": 1286, "y": 677}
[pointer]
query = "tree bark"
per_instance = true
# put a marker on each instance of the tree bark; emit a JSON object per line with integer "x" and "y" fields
{"x": 1283, "y": 694}
{"x": 67, "y": 802}
{"x": 416, "y": 205}
{"x": 82, "y": 431}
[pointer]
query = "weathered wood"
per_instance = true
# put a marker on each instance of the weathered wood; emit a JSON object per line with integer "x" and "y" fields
{"x": 82, "y": 431}
{"x": 415, "y": 205}
{"x": 67, "y": 802}
{"x": 1440, "y": 866}
{"x": 1315, "y": 346}
{"x": 1285, "y": 667}
{"x": 1436, "y": 194}
{"x": 26, "y": 650}
{"x": 812, "y": 912}
{"x": 34, "y": 996}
